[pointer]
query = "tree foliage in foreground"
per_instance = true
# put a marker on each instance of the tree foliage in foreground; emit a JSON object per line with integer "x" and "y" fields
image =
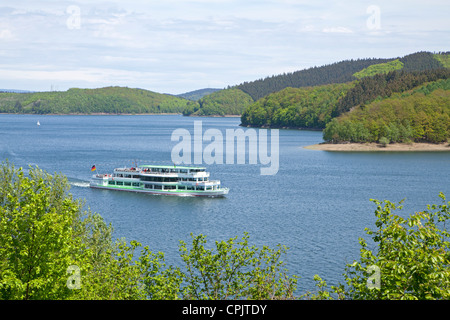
{"x": 408, "y": 258}
{"x": 234, "y": 270}
{"x": 46, "y": 238}
{"x": 412, "y": 255}
{"x": 51, "y": 249}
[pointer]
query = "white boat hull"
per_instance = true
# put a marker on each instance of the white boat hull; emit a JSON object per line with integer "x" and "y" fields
{"x": 211, "y": 194}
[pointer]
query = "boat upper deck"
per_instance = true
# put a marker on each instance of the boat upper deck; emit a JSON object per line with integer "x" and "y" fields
{"x": 165, "y": 170}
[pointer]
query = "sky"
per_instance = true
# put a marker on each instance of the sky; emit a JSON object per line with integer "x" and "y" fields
{"x": 176, "y": 46}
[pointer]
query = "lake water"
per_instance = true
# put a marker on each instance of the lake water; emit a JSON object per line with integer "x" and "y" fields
{"x": 318, "y": 203}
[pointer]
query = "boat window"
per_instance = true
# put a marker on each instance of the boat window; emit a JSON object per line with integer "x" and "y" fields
{"x": 181, "y": 188}
{"x": 111, "y": 182}
{"x": 158, "y": 187}
{"x": 135, "y": 184}
{"x": 119, "y": 183}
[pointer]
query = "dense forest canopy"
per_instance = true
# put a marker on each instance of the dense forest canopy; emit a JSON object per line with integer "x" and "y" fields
{"x": 314, "y": 107}
{"x": 224, "y": 102}
{"x": 344, "y": 71}
{"x": 309, "y": 107}
{"x": 418, "y": 115}
{"x": 197, "y": 94}
{"x": 110, "y": 100}
{"x": 412, "y": 90}
{"x": 379, "y": 68}
{"x": 383, "y": 85}
{"x": 340, "y": 72}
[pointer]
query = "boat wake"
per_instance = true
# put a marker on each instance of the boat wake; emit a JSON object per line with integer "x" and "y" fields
{"x": 79, "y": 183}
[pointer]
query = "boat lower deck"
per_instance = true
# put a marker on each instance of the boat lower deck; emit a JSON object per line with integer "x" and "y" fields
{"x": 174, "y": 192}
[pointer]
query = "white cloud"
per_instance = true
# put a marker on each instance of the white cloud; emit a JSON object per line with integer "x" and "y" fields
{"x": 5, "y": 34}
{"x": 176, "y": 46}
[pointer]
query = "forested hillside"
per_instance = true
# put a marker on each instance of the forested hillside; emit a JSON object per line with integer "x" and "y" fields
{"x": 314, "y": 107}
{"x": 384, "y": 85}
{"x": 418, "y": 115}
{"x": 339, "y": 72}
{"x": 197, "y": 94}
{"x": 261, "y": 102}
{"x": 224, "y": 102}
{"x": 309, "y": 107}
{"x": 379, "y": 69}
{"x": 109, "y": 100}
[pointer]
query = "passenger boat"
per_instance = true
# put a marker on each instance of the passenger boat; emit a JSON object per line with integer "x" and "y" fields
{"x": 162, "y": 180}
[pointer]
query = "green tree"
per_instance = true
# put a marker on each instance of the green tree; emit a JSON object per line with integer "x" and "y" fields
{"x": 413, "y": 255}
{"x": 234, "y": 270}
{"x": 410, "y": 260}
{"x": 36, "y": 227}
{"x": 384, "y": 141}
{"x": 43, "y": 232}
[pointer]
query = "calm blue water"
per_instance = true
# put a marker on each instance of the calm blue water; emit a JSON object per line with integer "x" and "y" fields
{"x": 317, "y": 205}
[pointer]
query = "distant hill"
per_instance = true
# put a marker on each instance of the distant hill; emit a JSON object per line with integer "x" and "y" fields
{"x": 220, "y": 103}
{"x": 314, "y": 107}
{"x": 339, "y": 72}
{"x": 15, "y": 91}
{"x": 197, "y": 94}
{"x": 308, "y": 107}
{"x": 109, "y": 100}
{"x": 401, "y": 100}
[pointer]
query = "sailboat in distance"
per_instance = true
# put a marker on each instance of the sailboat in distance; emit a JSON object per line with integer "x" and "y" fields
{"x": 38, "y": 123}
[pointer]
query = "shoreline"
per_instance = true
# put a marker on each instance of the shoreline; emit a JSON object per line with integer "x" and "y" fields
{"x": 375, "y": 147}
{"x": 92, "y": 114}
{"x": 121, "y": 114}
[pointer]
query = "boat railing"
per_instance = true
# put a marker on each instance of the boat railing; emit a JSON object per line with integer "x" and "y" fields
{"x": 158, "y": 173}
{"x": 102, "y": 176}
{"x": 181, "y": 174}
{"x": 193, "y": 183}
{"x": 126, "y": 170}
